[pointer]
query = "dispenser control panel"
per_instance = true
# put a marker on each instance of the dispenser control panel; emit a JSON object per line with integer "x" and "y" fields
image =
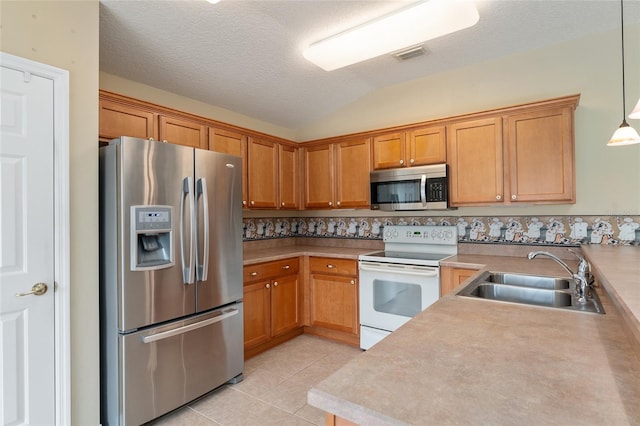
{"x": 153, "y": 218}
{"x": 151, "y": 237}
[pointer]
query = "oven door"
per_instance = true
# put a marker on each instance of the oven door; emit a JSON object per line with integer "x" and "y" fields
{"x": 391, "y": 294}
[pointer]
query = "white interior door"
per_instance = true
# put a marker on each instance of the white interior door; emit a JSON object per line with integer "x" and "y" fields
{"x": 27, "y": 251}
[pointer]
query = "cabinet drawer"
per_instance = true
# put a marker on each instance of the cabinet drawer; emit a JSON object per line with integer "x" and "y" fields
{"x": 277, "y": 268}
{"x": 332, "y": 265}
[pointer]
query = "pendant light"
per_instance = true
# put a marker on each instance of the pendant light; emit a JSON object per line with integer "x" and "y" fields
{"x": 625, "y": 135}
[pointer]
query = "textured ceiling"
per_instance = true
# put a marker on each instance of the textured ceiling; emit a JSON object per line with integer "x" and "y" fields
{"x": 245, "y": 56}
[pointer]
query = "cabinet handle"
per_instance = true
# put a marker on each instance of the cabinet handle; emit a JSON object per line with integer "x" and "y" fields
{"x": 330, "y": 203}
{"x": 514, "y": 197}
{"x": 275, "y": 283}
{"x": 286, "y": 267}
{"x": 330, "y": 266}
{"x": 401, "y": 162}
{"x": 254, "y": 274}
{"x": 498, "y": 197}
{"x": 353, "y": 282}
{"x": 268, "y": 286}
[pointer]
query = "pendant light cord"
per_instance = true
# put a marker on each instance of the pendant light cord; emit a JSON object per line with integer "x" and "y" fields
{"x": 624, "y": 112}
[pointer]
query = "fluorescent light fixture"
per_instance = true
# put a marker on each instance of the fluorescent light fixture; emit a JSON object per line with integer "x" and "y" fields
{"x": 409, "y": 26}
{"x": 636, "y": 111}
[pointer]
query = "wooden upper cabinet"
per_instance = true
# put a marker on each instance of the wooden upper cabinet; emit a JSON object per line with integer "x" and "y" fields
{"x": 352, "y": 168}
{"x": 337, "y": 175}
{"x": 262, "y": 175}
{"x": 475, "y": 158}
{"x": 541, "y": 156}
{"x": 288, "y": 177}
{"x": 227, "y": 142}
{"x": 389, "y": 151}
{"x": 117, "y": 120}
{"x": 416, "y": 147}
{"x": 183, "y": 132}
{"x": 427, "y": 146}
{"x": 318, "y": 183}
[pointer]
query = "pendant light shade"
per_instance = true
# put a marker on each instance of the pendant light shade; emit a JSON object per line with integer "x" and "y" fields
{"x": 625, "y": 135}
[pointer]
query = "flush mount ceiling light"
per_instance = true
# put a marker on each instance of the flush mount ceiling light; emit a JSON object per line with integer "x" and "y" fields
{"x": 409, "y": 26}
{"x": 625, "y": 135}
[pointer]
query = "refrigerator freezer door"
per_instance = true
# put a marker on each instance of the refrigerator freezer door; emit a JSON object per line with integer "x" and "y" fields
{"x": 169, "y": 366}
{"x": 153, "y": 173}
{"x": 219, "y": 241}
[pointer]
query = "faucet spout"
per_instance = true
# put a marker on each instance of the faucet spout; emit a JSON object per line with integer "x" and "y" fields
{"x": 533, "y": 254}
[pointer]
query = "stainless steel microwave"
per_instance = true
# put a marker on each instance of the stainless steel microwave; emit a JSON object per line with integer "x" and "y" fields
{"x": 411, "y": 188}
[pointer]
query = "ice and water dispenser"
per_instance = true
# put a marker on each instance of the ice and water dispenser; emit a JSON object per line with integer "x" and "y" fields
{"x": 151, "y": 237}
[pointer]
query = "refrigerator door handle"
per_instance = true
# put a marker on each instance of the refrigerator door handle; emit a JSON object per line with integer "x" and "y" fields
{"x": 187, "y": 270}
{"x": 187, "y": 328}
{"x": 203, "y": 267}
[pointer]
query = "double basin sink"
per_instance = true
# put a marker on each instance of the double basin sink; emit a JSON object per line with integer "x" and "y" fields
{"x": 535, "y": 290}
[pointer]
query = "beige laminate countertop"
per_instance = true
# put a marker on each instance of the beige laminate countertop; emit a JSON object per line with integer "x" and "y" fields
{"x": 471, "y": 361}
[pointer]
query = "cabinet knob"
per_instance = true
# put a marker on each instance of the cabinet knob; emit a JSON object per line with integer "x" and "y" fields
{"x": 244, "y": 202}
{"x": 352, "y": 282}
{"x": 286, "y": 267}
{"x": 401, "y": 162}
{"x": 498, "y": 197}
{"x": 330, "y": 266}
{"x": 514, "y": 197}
{"x": 330, "y": 203}
{"x": 253, "y": 203}
{"x": 338, "y": 203}
{"x": 282, "y": 204}
{"x": 254, "y": 274}
{"x": 268, "y": 285}
{"x": 412, "y": 161}
{"x": 275, "y": 283}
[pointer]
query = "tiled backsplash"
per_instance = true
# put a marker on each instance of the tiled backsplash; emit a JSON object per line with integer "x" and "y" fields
{"x": 546, "y": 230}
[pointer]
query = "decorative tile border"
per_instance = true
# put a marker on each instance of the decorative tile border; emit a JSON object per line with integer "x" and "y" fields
{"x": 545, "y": 230}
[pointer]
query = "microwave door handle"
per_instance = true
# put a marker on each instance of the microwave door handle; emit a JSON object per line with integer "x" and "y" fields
{"x": 423, "y": 190}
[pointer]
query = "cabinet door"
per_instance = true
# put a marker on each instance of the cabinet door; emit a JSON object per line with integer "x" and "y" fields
{"x": 262, "y": 173}
{"x": 453, "y": 277}
{"x": 475, "y": 156}
{"x": 231, "y": 143}
{"x": 121, "y": 120}
{"x": 541, "y": 156}
{"x": 318, "y": 185}
{"x": 352, "y": 168}
{"x": 334, "y": 302}
{"x": 285, "y": 304}
{"x": 257, "y": 313}
{"x": 427, "y": 146}
{"x": 389, "y": 151}
{"x": 183, "y": 132}
{"x": 288, "y": 177}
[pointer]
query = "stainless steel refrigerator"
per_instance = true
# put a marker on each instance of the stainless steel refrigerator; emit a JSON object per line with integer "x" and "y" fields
{"x": 171, "y": 313}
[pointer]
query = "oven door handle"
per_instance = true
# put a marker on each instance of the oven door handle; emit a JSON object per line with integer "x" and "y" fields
{"x": 423, "y": 271}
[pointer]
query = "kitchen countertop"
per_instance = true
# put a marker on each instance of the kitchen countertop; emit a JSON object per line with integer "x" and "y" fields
{"x": 471, "y": 361}
{"x": 260, "y": 255}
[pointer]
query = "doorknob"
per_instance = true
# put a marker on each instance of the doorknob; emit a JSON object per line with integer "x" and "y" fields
{"x": 37, "y": 290}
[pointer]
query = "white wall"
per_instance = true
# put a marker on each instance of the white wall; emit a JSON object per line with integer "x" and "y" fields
{"x": 65, "y": 35}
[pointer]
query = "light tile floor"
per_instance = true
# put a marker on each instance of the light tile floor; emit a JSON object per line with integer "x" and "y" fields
{"x": 274, "y": 389}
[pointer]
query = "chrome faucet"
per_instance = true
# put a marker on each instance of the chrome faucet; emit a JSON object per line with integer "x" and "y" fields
{"x": 581, "y": 282}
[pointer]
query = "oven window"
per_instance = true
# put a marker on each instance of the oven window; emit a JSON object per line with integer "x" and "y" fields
{"x": 396, "y": 192}
{"x": 397, "y": 298}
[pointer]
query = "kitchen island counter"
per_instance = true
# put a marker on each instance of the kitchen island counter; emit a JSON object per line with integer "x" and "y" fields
{"x": 471, "y": 361}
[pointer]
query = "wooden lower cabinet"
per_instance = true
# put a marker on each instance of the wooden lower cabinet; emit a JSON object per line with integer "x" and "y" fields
{"x": 450, "y": 278}
{"x": 333, "y": 299}
{"x": 272, "y": 304}
{"x": 333, "y": 420}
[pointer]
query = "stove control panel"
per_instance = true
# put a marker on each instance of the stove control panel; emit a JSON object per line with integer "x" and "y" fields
{"x": 421, "y": 234}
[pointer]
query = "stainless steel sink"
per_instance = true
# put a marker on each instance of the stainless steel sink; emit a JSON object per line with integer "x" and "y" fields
{"x": 552, "y": 292}
{"x": 549, "y": 283}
